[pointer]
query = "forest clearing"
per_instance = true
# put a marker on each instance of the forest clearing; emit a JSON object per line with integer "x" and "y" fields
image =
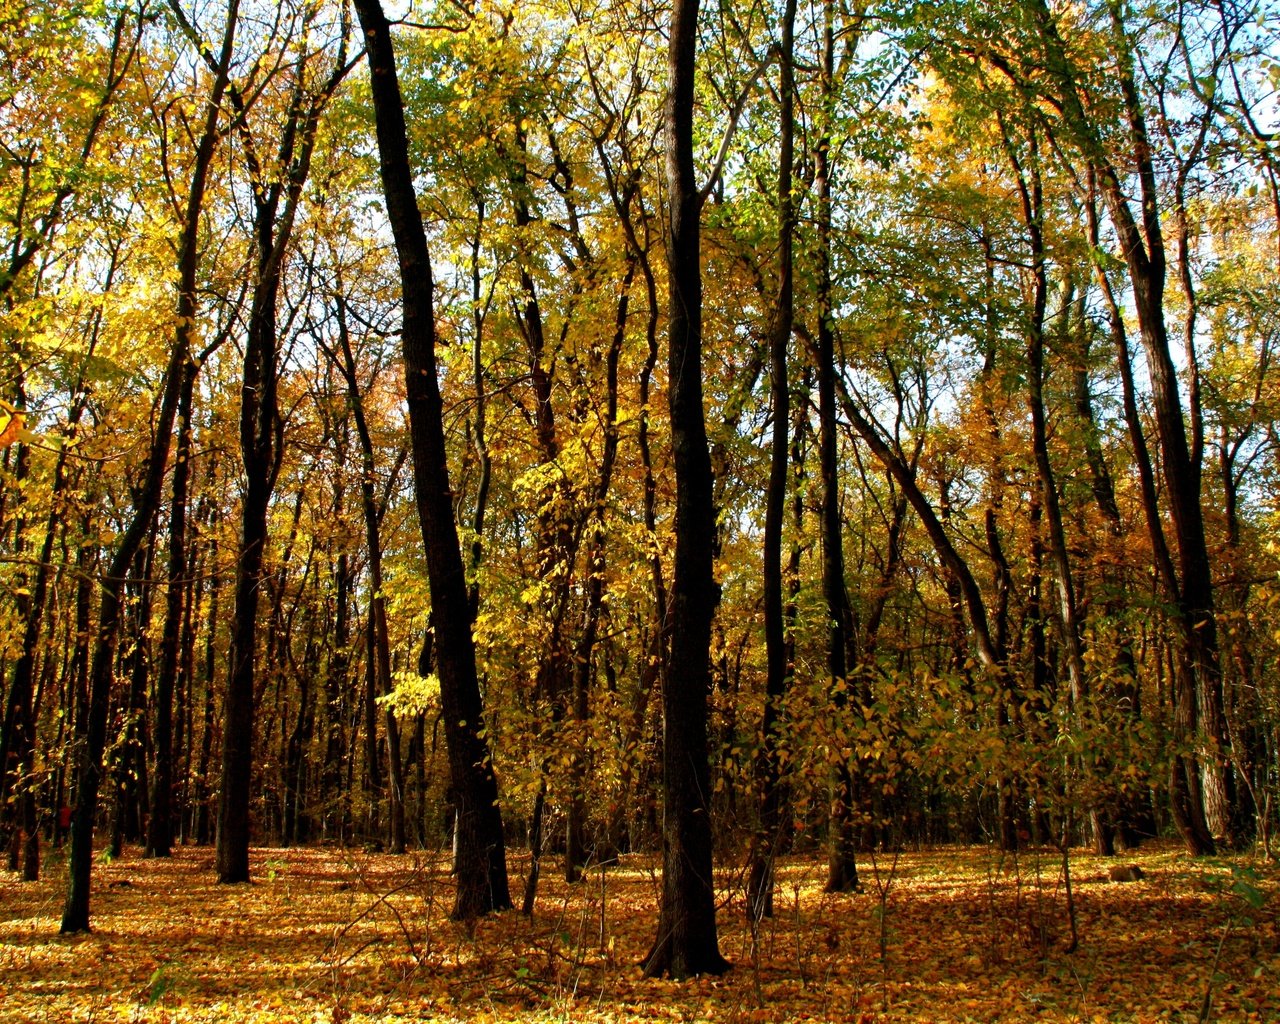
{"x": 951, "y": 934}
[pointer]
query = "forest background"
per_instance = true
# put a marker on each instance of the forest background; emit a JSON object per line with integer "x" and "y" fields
{"x": 961, "y": 529}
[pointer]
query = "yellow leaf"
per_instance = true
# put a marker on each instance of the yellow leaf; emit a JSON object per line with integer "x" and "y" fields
{"x": 10, "y": 424}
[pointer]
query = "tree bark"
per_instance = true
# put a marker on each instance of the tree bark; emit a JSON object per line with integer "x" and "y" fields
{"x": 481, "y": 864}
{"x": 160, "y": 824}
{"x": 274, "y": 212}
{"x": 766, "y": 841}
{"x": 686, "y": 944}
{"x": 75, "y": 912}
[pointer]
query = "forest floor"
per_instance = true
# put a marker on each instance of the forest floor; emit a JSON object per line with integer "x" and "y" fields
{"x": 329, "y": 935}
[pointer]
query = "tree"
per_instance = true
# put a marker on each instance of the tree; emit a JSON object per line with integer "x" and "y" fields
{"x": 276, "y": 195}
{"x": 481, "y": 849}
{"x": 44, "y": 180}
{"x": 686, "y": 944}
{"x": 778, "y": 672}
{"x": 42, "y": 169}
{"x": 75, "y": 913}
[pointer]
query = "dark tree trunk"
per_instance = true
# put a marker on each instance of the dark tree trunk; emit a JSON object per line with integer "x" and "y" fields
{"x": 686, "y": 944}
{"x": 576, "y": 853}
{"x": 296, "y": 821}
{"x": 380, "y": 646}
{"x": 1117, "y": 824}
{"x": 767, "y": 840}
{"x": 184, "y": 694}
{"x": 479, "y": 311}
{"x": 842, "y": 864}
{"x": 1185, "y": 797}
{"x": 481, "y": 862}
{"x": 19, "y": 733}
{"x": 991, "y": 655}
{"x": 75, "y": 913}
{"x": 17, "y": 740}
{"x": 553, "y": 540}
{"x": 275, "y": 201}
{"x": 1200, "y": 710}
{"x": 656, "y": 654}
{"x": 130, "y": 768}
{"x": 258, "y": 425}
{"x": 160, "y": 826}
{"x": 336, "y": 684}
{"x": 204, "y": 792}
{"x": 369, "y": 718}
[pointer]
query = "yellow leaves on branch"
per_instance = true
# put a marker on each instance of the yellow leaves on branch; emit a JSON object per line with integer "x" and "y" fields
{"x": 412, "y": 694}
{"x": 11, "y": 420}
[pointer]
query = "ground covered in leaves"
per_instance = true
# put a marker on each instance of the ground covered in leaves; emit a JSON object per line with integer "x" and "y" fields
{"x": 330, "y": 935}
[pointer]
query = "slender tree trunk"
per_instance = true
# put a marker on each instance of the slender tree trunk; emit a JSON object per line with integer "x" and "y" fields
{"x": 160, "y": 826}
{"x": 481, "y": 862}
{"x": 1031, "y": 192}
{"x": 19, "y": 731}
{"x": 553, "y": 541}
{"x": 480, "y": 424}
{"x": 17, "y": 740}
{"x": 1122, "y": 705}
{"x": 380, "y": 643}
{"x": 336, "y": 687}
{"x": 75, "y": 913}
{"x": 1142, "y": 242}
{"x": 258, "y": 427}
{"x": 584, "y": 651}
{"x": 130, "y": 769}
{"x": 92, "y": 741}
{"x": 842, "y": 863}
{"x": 1186, "y": 799}
{"x": 295, "y": 826}
{"x": 184, "y": 694}
{"x": 275, "y": 200}
{"x": 204, "y": 791}
{"x": 766, "y": 841}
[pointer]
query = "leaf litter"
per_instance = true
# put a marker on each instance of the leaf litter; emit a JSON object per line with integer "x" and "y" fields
{"x": 337, "y": 936}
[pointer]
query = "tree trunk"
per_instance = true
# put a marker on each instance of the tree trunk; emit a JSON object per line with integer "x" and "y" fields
{"x": 258, "y": 416}
{"x": 766, "y": 841}
{"x": 1144, "y": 254}
{"x": 842, "y": 863}
{"x": 17, "y": 740}
{"x": 584, "y": 653}
{"x": 379, "y": 638}
{"x": 481, "y": 862}
{"x": 19, "y": 731}
{"x": 130, "y": 766}
{"x": 75, "y": 913}
{"x": 260, "y": 440}
{"x": 336, "y": 682}
{"x": 686, "y": 944}
{"x": 204, "y": 792}
{"x": 160, "y": 825}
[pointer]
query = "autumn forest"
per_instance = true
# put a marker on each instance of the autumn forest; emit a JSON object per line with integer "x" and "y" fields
{"x": 524, "y": 439}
